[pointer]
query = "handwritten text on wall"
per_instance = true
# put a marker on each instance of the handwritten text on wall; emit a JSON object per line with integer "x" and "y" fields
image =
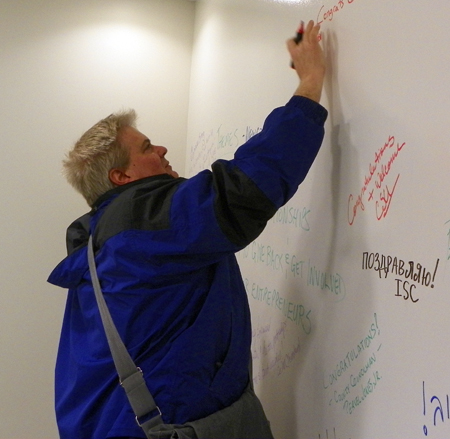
{"x": 379, "y": 184}
{"x": 408, "y": 274}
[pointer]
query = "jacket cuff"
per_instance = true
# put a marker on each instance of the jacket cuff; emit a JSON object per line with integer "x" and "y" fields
{"x": 310, "y": 108}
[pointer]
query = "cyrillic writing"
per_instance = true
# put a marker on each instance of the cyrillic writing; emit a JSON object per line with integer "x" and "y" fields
{"x": 411, "y": 273}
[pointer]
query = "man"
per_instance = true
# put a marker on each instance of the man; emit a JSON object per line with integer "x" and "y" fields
{"x": 165, "y": 257}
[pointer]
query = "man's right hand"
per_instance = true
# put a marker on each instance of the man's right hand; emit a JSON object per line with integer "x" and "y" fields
{"x": 309, "y": 62}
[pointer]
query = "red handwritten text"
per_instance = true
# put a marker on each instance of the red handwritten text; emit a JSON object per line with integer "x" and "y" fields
{"x": 376, "y": 187}
{"x": 328, "y": 14}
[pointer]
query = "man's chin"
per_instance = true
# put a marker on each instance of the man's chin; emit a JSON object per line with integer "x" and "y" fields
{"x": 171, "y": 172}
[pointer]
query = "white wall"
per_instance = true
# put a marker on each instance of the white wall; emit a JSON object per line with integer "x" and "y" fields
{"x": 63, "y": 66}
{"x": 340, "y": 347}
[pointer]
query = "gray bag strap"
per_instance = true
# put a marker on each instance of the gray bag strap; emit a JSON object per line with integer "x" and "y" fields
{"x": 131, "y": 377}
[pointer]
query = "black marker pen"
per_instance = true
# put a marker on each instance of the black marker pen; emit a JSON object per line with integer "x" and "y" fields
{"x": 299, "y": 37}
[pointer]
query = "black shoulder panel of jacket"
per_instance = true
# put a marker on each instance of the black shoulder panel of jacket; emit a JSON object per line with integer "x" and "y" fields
{"x": 144, "y": 206}
{"x": 242, "y": 209}
{"x": 77, "y": 234}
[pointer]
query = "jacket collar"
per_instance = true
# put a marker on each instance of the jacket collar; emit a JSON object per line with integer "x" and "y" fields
{"x": 119, "y": 189}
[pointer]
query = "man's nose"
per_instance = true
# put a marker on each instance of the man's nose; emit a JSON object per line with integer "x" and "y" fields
{"x": 161, "y": 150}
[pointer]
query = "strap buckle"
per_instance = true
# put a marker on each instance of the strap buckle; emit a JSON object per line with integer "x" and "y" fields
{"x": 149, "y": 416}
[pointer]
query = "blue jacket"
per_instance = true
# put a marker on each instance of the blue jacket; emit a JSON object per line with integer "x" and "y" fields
{"x": 165, "y": 257}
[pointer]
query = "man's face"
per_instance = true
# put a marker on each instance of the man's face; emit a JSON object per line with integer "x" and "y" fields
{"x": 146, "y": 159}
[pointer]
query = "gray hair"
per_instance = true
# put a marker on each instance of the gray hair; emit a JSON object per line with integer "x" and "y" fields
{"x": 86, "y": 167}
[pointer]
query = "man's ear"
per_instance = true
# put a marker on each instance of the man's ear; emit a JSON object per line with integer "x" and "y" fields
{"x": 118, "y": 177}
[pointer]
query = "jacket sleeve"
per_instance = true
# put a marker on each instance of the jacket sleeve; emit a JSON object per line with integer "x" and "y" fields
{"x": 267, "y": 170}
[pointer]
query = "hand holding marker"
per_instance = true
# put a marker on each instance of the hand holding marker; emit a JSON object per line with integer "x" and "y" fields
{"x": 299, "y": 37}
{"x": 309, "y": 61}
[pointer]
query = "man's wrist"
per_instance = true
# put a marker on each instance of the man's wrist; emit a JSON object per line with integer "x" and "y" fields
{"x": 311, "y": 89}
